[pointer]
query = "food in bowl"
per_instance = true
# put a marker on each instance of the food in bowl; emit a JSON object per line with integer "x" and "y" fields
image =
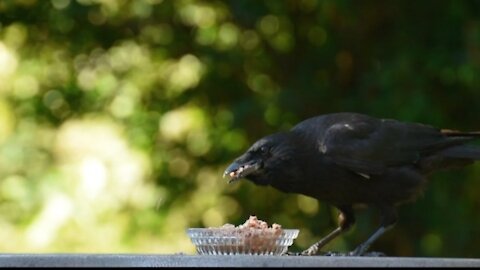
{"x": 254, "y": 237}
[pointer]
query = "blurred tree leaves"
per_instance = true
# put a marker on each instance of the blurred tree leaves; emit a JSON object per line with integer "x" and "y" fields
{"x": 117, "y": 118}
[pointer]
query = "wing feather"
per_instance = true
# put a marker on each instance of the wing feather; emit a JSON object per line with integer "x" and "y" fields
{"x": 369, "y": 145}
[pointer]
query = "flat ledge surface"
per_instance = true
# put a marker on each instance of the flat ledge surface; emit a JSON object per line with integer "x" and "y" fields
{"x": 165, "y": 260}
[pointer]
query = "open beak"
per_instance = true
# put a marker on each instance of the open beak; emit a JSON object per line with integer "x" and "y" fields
{"x": 237, "y": 171}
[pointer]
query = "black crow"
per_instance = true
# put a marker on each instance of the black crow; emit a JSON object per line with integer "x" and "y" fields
{"x": 346, "y": 159}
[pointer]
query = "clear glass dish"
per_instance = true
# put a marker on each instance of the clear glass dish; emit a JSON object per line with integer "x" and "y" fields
{"x": 234, "y": 241}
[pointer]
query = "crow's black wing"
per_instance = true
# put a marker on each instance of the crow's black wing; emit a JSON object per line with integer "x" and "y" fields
{"x": 369, "y": 145}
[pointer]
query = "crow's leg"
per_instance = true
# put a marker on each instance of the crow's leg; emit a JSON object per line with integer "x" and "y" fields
{"x": 389, "y": 217}
{"x": 346, "y": 219}
{"x": 362, "y": 248}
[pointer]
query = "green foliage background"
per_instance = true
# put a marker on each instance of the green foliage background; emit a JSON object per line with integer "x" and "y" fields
{"x": 117, "y": 118}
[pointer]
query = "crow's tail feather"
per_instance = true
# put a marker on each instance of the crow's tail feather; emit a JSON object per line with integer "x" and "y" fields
{"x": 462, "y": 152}
{"x": 451, "y": 157}
{"x": 456, "y": 133}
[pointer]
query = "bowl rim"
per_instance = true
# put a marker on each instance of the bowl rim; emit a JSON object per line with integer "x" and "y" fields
{"x": 220, "y": 228}
{"x": 205, "y": 232}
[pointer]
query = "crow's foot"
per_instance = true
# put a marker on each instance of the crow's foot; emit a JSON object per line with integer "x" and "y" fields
{"x": 303, "y": 253}
{"x": 337, "y": 254}
{"x": 367, "y": 254}
{"x": 350, "y": 254}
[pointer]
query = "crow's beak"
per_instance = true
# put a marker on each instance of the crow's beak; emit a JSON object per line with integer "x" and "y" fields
{"x": 237, "y": 170}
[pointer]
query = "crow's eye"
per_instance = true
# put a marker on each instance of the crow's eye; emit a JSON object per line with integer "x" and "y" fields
{"x": 263, "y": 149}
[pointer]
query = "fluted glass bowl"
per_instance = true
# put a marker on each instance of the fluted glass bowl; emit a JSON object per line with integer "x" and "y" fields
{"x": 220, "y": 241}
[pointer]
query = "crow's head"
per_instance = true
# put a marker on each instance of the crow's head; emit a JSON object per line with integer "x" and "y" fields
{"x": 265, "y": 159}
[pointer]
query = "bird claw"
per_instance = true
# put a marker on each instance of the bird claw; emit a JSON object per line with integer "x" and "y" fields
{"x": 363, "y": 253}
{"x": 338, "y": 254}
{"x": 351, "y": 254}
{"x": 359, "y": 251}
{"x": 308, "y": 252}
{"x": 303, "y": 253}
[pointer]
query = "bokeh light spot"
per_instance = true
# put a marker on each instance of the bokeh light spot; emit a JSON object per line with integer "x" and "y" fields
{"x": 60, "y": 4}
{"x": 431, "y": 243}
{"x": 179, "y": 167}
{"x": 176, "y": 124}
{"x": 213, "y": 218}
{"x": 8, "y": 64}
{"x": 307, "y": 205}
{"x": 227, "y": 36}
{"x": 7, "y": 120}
{"x": 25, "y": 87}
{"x": 269, "y": 24}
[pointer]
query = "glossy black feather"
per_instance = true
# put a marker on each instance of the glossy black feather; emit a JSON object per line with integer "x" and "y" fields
{"x": 350, "y": 158}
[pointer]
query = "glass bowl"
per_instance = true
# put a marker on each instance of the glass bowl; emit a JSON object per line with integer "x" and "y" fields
{"x": 221, "y": 241}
